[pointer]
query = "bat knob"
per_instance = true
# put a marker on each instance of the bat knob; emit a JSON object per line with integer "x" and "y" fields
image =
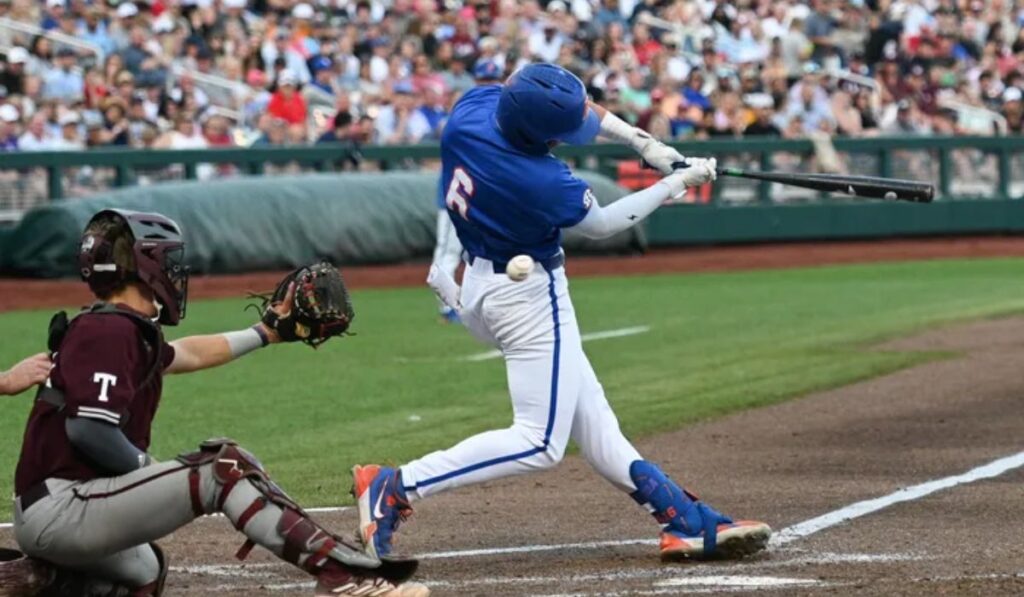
{"x": 680, "y": 165}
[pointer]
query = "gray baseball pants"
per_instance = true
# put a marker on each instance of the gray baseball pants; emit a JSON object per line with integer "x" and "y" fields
{"x": 103, "y": 527}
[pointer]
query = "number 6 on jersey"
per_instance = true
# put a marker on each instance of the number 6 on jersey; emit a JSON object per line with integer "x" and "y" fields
{"x": 459, "y": 192}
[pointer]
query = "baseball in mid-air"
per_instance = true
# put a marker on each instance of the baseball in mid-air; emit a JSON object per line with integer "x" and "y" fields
{"x": 891, "y": 196}
{"x": 519, "y": 267}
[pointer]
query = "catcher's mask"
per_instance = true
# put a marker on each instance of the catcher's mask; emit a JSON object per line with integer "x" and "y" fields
{"x": 159, "y": 255}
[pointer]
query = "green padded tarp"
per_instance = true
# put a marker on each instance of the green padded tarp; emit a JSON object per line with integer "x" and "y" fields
{"x": 251, "y": 224}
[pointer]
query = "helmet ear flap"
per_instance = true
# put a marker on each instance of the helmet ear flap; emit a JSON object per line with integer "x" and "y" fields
{"x": 97, "y": 266}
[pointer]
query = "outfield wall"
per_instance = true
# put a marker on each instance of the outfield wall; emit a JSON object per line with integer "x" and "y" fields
{"x": 708, "y": 224}
{"x": 255, "y": 223}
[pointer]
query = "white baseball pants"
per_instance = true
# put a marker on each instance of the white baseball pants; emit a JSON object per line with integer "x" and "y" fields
{"x": 555, "y": 393}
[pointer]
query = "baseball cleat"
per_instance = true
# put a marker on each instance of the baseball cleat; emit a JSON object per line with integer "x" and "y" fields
{"x": 382, "y": 506}
{"x": 339, "y": 581}
{"x": 730, "y": 541}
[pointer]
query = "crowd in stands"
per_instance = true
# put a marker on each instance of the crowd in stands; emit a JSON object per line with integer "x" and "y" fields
{"x": 221, "y": 73}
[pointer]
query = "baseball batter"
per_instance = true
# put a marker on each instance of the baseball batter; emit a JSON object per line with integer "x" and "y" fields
{"x": 507, "y": 196}
{"x": 90, "y": 499}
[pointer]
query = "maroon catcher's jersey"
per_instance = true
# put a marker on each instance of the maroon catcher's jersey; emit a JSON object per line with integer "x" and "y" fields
{"x": 102, "y": 363}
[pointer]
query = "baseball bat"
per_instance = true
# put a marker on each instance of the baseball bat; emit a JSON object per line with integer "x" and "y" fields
{"x": 890, "y": 189}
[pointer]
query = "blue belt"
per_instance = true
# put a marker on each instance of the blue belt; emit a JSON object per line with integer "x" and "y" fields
{"x": 550, "y": 264}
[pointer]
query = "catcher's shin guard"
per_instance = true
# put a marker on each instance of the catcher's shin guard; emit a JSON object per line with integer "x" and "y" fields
{"x": 21, "y": 576}
{"x": 291, "y": 535}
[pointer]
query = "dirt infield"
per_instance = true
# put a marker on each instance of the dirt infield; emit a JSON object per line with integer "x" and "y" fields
{"x": 785, "y": 464}
{"x": 25, "y": 294}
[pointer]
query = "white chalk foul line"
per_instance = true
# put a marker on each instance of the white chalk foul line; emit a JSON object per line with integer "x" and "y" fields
{"x": 605, "y": 335}
{"x": 858, "y": 509}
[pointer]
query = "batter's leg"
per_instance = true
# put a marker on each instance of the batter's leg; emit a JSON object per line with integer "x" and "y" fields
{"x": 595, "y": 429}
{"x": 691, "y": 527}
{"x": 535, "y": 325}
{"x": 542, "y": 420}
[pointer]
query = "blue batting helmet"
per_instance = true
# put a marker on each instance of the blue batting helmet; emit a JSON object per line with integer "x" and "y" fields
{"x": 543, "y": 103}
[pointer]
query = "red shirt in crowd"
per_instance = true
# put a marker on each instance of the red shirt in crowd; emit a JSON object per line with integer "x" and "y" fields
{"x": 292, "y": 110}
{"x": 646, "y": 51}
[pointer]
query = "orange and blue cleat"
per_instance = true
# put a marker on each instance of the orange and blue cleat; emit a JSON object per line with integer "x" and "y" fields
{"x": 693, "y": 529}
{"x": 382, "y": 505}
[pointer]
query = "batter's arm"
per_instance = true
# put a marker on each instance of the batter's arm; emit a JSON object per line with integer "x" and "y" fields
{"x": 602, "y": 222}
{"x": 106, "y": 445}
{"x": 654, "y": 152}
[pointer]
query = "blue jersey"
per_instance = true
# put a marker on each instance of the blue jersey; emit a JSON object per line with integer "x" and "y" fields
{"x": 502, "y": 201}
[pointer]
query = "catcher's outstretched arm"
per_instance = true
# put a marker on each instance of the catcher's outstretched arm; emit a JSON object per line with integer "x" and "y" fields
{"x": 194, "y": 353}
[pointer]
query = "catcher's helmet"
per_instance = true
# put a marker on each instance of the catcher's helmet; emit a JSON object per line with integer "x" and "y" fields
{"x": 158, "y": 253}
{"x": 542, "y": 103}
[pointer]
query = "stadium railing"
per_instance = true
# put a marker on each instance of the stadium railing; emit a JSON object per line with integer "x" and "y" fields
{"x": 962, "y": 167}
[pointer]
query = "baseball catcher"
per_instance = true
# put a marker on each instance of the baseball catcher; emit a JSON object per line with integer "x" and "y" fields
{"x": 91, "y": 502}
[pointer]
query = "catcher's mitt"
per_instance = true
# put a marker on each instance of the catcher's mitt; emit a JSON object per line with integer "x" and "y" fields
{"x": 322, "y": 308}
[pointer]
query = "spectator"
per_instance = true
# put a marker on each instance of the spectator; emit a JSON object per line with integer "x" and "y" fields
{"x": 341, "y": 130}
{"x": 274, "y": 131}
{"x": 282, "y": 47}
{"x": 65, "y": 82}
{"x": 70, "y": 136}
{"x": 13, "y": 75}
{"x": 136, "y": 52}
{"x": 761, "y": 106}
{"x": 286, "y": 103}
{"x": 818, "y": 28}
{"x": 693, "y": 93}
{"x": 457, "y": 80}
{"x": 35, "y": 137}
{"x": 811, "y": 108}
{"x": 114, "y": 129}
{"x": 93, "y": 29}
{"x": 52, "y": 15}
{"x": 426, "y": 122}
{"x": 217, "y": 132}
{"x": 546, "y": 43}
{"x": 323, "y": 74}
{"x": 9, "y": 118}
{"x": 185, "y": 135}
{"x": 696, "y": 80}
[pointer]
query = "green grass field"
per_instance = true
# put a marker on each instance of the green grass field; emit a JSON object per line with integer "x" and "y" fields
{"x": 718, "y": 343}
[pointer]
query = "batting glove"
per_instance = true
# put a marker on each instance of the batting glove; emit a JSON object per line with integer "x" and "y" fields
{"x": 699, "y": 171}
{"x": 655, "y": 153}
